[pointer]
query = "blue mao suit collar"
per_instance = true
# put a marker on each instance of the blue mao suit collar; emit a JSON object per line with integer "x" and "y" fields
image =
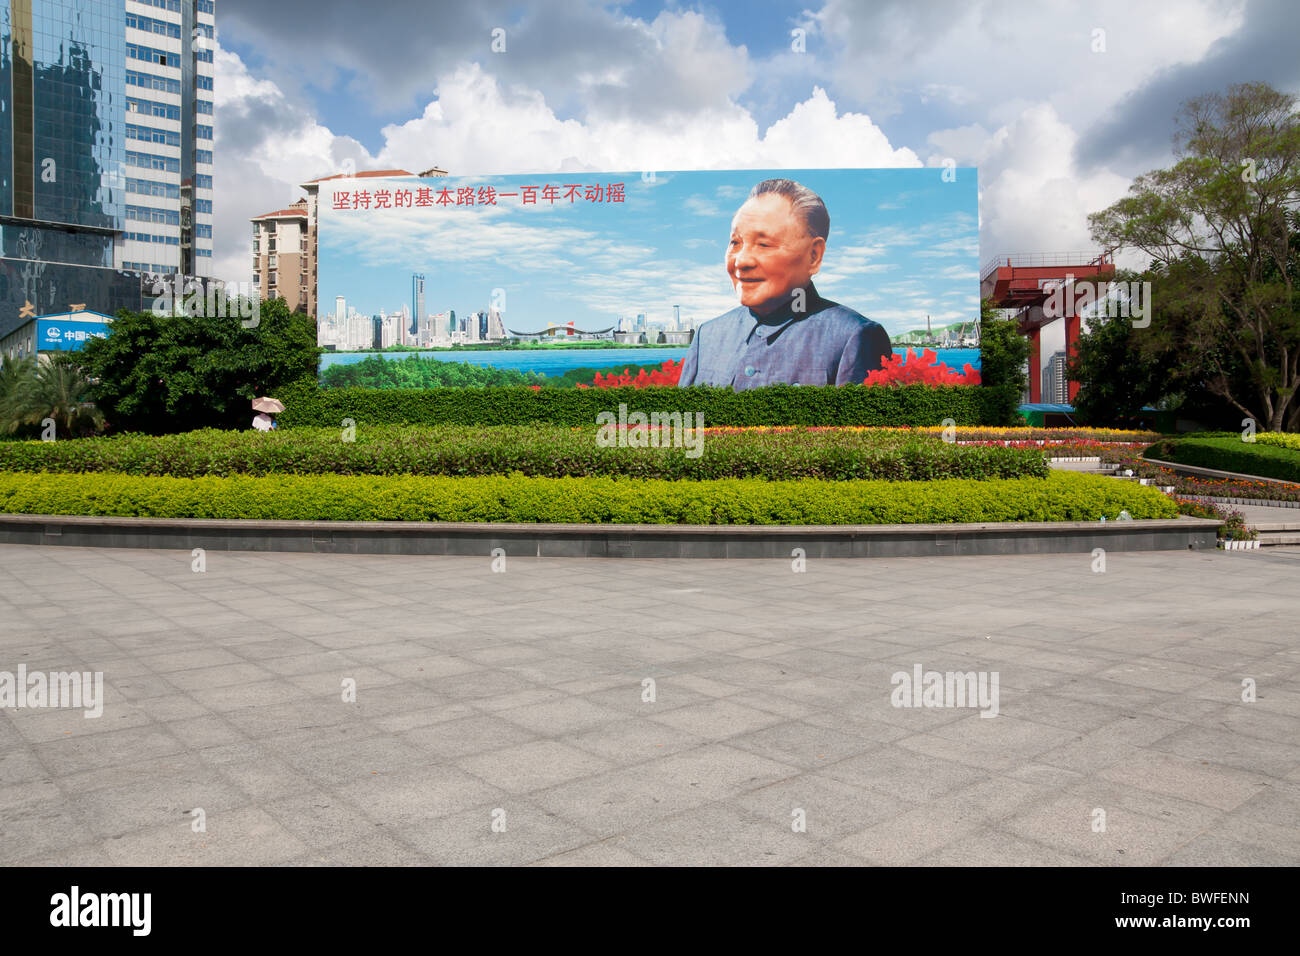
{"x": 774, "y": 324}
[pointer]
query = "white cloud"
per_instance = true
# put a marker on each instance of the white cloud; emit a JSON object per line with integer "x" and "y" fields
{"x": 1033, "y": 198}
{"x": 666, "y": 94}
{"x": 480, "y": 128}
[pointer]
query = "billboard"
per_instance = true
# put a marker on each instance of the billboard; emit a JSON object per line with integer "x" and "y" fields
{"x": 740, "y": 278}
{"x": 58, "y": 335}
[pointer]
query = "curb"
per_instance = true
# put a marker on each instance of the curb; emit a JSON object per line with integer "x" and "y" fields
{"x": 612, "y": 541}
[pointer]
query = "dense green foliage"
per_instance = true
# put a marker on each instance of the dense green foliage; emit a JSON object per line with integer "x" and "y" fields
{"x": 1280, "y": 439}
{"x": 546, "y": 450}
{"x": 1004, "y": 354}
{"x": 1060, "y": 497}
{"x": 1116, "y": 381}
{"x": 416, "y": 372}
{"x": 1222, "y": 230}
{"x": 421, "y": 372}
{"x": 170, "y": 373}
{"x": 33, "y": 393}
{"x": 1229, "y": 453}
{"x": 305, "y": 404}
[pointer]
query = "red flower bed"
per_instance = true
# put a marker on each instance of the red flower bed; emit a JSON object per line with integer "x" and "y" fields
{"x": 666, "y": 374}
{"x": 911, "y": 369}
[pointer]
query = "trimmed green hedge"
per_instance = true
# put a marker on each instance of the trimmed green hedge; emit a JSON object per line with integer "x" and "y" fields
{"x": 542, "y": 450}
{"x": 1229, "y": 453}
{"x": 1062, "y": 496}
{"x": 306, "y": 404}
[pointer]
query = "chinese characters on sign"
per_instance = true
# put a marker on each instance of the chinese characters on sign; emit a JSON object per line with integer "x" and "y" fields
{"x": 427, "y": 196}
{"x": 67, "y": 336}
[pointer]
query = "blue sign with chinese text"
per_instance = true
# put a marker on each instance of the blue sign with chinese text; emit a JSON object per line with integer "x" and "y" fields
{"x": 54, "y": 335}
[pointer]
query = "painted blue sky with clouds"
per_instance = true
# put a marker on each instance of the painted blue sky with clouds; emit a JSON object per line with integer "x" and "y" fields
{"x": 904, "y": 243}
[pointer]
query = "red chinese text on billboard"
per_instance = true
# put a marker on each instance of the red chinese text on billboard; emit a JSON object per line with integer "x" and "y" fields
{"x": 425, "y": 196}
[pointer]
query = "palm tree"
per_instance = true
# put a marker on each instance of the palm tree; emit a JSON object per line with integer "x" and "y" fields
{"x": 59, "y": 390}
{"x": 16, "y": 378}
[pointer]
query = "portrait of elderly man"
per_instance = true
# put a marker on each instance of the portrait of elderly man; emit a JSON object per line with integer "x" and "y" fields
{"x": 783, "y": 331}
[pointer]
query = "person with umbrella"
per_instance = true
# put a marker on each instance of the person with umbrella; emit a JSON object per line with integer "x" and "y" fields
{"x": 266, "y": 408}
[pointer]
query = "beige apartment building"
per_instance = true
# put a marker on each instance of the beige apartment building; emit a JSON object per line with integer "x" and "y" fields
{"x": 284, "y": 243}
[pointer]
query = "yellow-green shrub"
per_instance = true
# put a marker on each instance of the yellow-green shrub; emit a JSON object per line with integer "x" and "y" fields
{"x": 1063, "y": 496}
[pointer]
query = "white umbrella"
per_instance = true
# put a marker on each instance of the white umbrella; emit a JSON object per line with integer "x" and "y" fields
{"x": 264, "y": 404}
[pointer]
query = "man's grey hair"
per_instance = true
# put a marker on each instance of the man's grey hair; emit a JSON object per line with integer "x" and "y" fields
{"x": 806, "y": 204}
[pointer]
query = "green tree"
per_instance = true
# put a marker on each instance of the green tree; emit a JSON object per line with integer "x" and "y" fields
{"x": 1115, "y": 383}
{"x": 1004, "y": 355}
{"x": 1222, "y": 230}
{"x": 60, "y": 390}
{"x": 167, "y": 373}
{"x": 16, "y": 378}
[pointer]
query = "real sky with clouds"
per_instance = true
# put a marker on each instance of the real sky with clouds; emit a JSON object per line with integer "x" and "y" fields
{"x": 1058, "y": 127}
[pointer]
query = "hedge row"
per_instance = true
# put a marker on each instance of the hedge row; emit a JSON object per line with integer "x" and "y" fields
{"x": 1279, "y": 439}
{"x": 540, "y": 450}
{"x": 1229, "y": 453}
{"x": 1061, "y": 496}
{"x": 306, "y": 404}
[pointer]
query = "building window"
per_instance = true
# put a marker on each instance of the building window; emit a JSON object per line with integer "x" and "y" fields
{"x": 150, "y": 161}
{"x": 270, "y": 260}
{"x": 169, "y": 217}
{"x": 202, "y": 132}
{"x": 150, "y": 82}
{"x": 152, "y": 108}
{"x": 151, "y": 135}
{"x": 203, "y": 156}
{"x": 150, "y": 25}
{"x": 138, "y": 51}
{"x": 150, "y": 237}
{"x": 147, "y": 187}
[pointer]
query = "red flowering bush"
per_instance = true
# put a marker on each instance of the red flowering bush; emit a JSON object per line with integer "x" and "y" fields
{"x": 666, "y": 374}
{"x": 911, "y": 369}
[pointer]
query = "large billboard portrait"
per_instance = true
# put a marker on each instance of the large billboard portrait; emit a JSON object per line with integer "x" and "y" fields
{"x": 735, "y": 278}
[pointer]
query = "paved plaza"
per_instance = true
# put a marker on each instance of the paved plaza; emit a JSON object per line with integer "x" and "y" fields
{"x": 652, "y": 712}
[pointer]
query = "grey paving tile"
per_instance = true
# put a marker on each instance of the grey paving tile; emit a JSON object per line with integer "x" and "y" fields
{"x": 772, "y": 694}
{"x": 533, "y": 766}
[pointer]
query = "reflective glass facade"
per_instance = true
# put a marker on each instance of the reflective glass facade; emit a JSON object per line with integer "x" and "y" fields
{"x": 79, "y": 111}
{"x": 62, "y": 82}
{"x": 52, "y": 244}
{"x": 80, "y": 186}
{"x": 29, "y": 289}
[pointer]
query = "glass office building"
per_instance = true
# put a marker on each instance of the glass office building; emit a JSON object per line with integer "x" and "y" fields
{"x": 105, "y": 151}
